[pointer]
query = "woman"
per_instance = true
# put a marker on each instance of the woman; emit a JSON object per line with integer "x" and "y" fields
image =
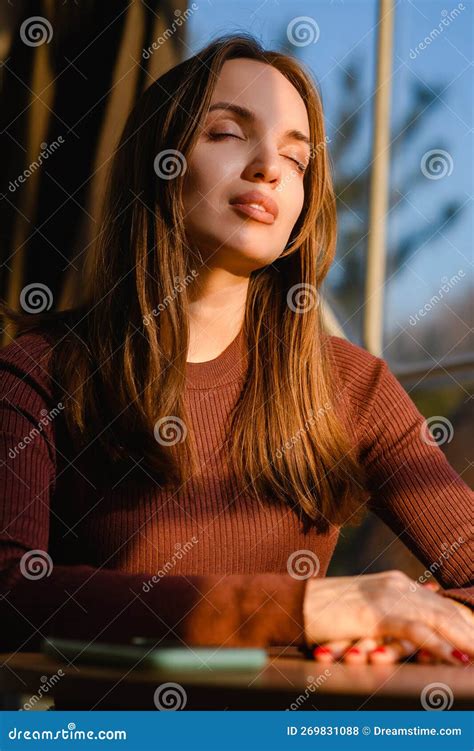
{"x": 198, "y": 440}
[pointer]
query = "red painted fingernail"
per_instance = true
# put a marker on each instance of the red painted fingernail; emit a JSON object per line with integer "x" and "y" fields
{"x": 353, "y": 651}
{"x": 424, "y": 653}
{"x": 461, "y": 656}
{"x": 321, "y": 651}
{"x": 378, "y": 649}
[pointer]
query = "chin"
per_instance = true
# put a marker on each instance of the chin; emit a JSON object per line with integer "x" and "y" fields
{"x": 237, "y": 251}
{"x": 250, "y": 255}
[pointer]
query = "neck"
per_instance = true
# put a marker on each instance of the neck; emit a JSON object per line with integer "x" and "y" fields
{"x": 216, "y": 313}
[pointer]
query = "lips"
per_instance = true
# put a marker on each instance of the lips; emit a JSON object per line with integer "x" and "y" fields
{"x": 270, "y": 206}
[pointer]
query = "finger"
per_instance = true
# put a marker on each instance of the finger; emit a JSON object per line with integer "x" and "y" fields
{"x": 357, "y": 653}
{"x": 457, "y": 631}
{"x": 425, "y": 657}
{"x": 331, "y": 650}
{"x": 434, "y": 586}
{"x": 397, "y": 650}
{"x": 424, "y": 637}
{"x": 464, "y": 610}
{"x": 443, "y": 616}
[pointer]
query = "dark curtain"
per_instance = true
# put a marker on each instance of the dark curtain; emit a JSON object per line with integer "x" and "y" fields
{"x": 69, "y": 75}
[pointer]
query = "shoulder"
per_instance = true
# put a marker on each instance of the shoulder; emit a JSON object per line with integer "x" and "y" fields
{"x": 354, "y": 366}
{"x": 25, "y": 366}
{"x": 363, "y": 381}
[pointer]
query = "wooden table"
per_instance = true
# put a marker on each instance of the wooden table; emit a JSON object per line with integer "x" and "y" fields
{"x": 285, "y": 682}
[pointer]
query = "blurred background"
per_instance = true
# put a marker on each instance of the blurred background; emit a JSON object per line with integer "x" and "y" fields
{"x": 396, "y": 82}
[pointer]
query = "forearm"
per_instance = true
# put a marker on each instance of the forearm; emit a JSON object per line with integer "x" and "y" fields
{"x": 88, "y": 603}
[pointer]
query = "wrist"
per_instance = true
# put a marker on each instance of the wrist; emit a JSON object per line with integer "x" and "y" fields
{"x": 308, "y": 612}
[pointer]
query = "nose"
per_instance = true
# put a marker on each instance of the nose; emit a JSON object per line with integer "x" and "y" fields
{"x": 264, "y": 166}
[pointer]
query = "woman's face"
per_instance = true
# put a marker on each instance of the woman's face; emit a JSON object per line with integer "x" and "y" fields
{"x": 257, "y": 152}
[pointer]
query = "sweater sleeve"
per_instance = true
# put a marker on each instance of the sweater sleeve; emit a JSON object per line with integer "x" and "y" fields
{"x": 414, "y": 489}
{"x": 40, "y": 597}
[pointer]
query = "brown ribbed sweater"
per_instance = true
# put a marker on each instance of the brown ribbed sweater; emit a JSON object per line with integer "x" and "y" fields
{"x": 219, "y": 561}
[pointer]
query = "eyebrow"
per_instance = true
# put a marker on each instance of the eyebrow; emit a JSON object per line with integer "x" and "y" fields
{"x": 245, "y": 114}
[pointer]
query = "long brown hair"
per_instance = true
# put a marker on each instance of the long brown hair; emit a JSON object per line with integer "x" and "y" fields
{"x": 122, "y": 367}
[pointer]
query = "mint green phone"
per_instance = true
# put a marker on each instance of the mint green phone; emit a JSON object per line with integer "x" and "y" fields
{"x": 142, "y": 654}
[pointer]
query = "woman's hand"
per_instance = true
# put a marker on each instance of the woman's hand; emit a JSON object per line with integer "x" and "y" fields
{"x": 389, "y": 613}
{"x": 385, "y": 650}
{"x": 361, "y": 651}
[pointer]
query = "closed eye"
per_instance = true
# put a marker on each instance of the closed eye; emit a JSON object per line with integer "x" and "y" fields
{"x": 218, "y": 136}
{"x": 300, "y": 165}
{"x": 222, "y": 135}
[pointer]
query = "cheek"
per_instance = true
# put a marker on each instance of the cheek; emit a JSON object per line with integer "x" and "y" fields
{"x": 292, "y": 202}
{"x": 207, "y": 179}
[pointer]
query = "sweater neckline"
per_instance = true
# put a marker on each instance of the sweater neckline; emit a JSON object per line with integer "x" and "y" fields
{"x": 226, "y": 367}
